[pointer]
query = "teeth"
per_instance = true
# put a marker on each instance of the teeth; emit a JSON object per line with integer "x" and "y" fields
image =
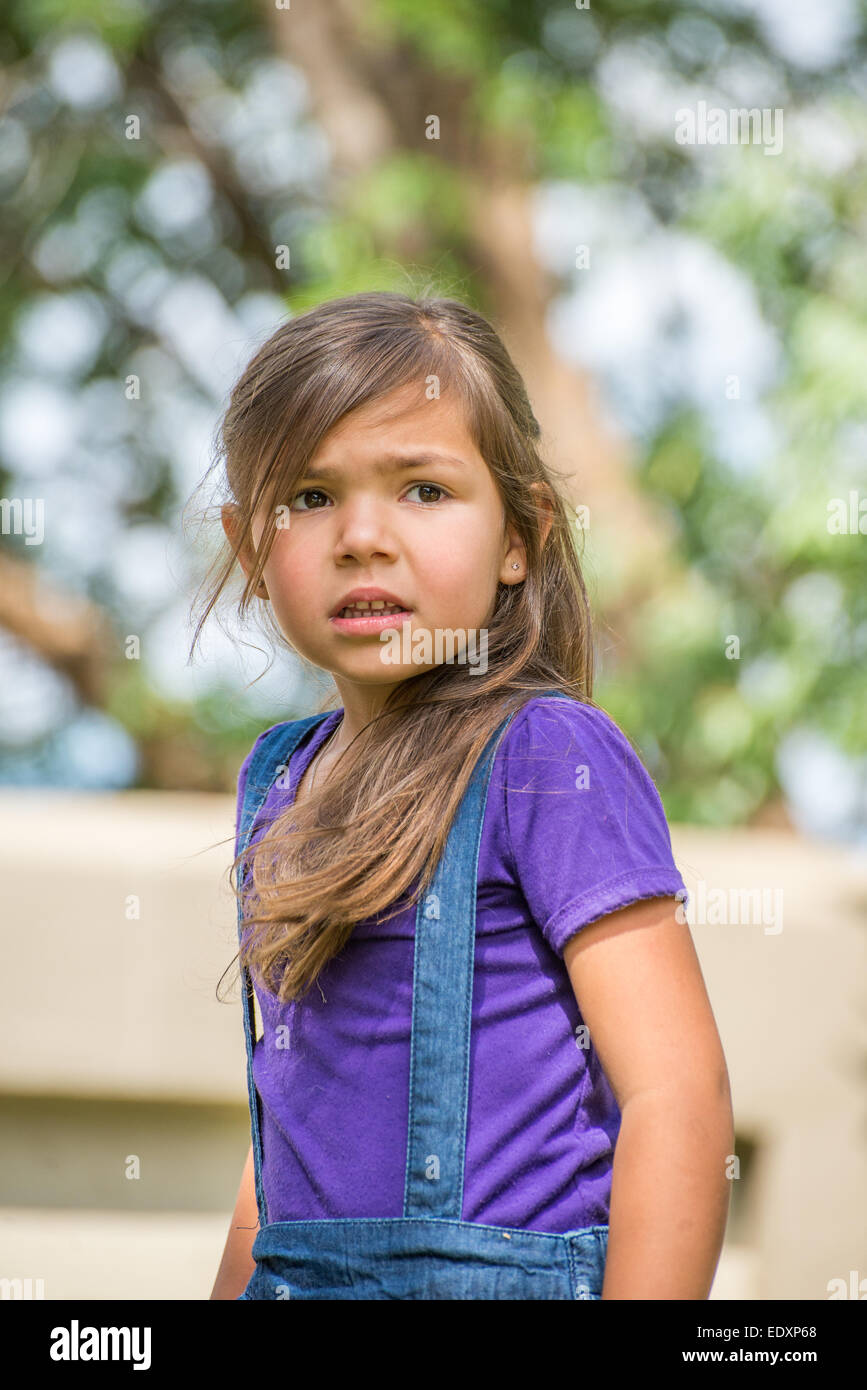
{"x": 376, "y": 605}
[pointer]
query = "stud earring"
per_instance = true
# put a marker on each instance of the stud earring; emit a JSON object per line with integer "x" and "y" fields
{"x": 515, "y": 565}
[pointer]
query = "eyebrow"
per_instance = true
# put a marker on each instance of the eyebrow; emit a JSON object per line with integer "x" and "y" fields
{"x": 389, "y": 463}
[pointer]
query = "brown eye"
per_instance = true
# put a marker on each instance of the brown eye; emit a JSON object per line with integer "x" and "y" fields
{"x": 308, "y": 492}
{"x": 428, "y": 487}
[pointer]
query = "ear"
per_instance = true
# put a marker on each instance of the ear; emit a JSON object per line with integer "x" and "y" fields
{"x": 514, "y": 567}
{"x": 544, "y": 498}
{"x": 516, "y": 553}
{"x": 230, "y": 517}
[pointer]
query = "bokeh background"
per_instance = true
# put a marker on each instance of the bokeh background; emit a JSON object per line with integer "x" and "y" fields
{"x": 691, "y": 321}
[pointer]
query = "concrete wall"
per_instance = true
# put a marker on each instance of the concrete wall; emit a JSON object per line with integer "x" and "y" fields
{"x": 115, "y": 1055}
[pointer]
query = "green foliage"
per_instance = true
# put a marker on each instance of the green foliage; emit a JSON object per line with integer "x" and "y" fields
{"x": 760, "y": 562}
{"x": 559, "y": 122}
{"x": 121, "y": 23}
{"x": 405, "y": 190}
{"x": 449, "y": 35}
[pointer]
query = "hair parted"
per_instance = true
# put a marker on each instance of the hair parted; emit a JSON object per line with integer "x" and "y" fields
{"x": 379, "y": 822}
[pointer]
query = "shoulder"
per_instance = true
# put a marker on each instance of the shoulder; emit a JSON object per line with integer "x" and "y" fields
{"x": 262, "y": 739}
{"x": 266, "y": 761}
{"x": 577, "y": 753}
{"x": 584, "y": 823}
{"x": 565, "y": 712}
{"x": 548, "y": 727}
{"x": 274, "y": 744}
{"x": 270, "y": 749}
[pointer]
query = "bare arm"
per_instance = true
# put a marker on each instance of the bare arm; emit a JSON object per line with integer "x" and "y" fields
{"x": 237, "y": 1263}
{"x": 639, "y": 986}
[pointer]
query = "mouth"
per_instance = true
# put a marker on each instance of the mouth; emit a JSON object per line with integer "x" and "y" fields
{"x": 364, "y": 618}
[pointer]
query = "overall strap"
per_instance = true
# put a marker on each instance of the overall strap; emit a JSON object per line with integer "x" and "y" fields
{"x": 268, "y": 762}
{"x": 442, "y": 1005}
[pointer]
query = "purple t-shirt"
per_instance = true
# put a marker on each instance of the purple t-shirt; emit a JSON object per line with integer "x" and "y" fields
{"x": 573, "y": 829}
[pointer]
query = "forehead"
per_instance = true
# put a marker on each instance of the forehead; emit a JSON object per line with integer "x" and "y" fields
{"x": 403, "y": 420}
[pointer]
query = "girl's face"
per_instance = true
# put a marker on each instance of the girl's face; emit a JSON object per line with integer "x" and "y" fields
{"x": 371, "y": 512}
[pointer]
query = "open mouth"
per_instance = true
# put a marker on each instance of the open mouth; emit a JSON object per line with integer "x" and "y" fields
{"x": 374, "y": 616}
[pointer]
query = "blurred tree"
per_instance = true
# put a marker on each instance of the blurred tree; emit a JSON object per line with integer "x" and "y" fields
{"x": 158, "y": 155}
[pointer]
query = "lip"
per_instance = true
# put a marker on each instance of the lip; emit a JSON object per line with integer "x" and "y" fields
{"x": 372, "y": 623}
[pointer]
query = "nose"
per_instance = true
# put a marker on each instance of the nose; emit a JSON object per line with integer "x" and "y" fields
{"x": 364, "y": 530}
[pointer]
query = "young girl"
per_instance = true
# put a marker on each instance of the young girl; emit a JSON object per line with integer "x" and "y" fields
{"x": 488, "y": 1065}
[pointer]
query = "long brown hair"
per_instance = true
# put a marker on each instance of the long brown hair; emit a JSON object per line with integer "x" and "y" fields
{"x": 380, "y": 820}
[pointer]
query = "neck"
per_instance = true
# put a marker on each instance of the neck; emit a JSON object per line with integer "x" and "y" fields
{"x": 361, "y": 704}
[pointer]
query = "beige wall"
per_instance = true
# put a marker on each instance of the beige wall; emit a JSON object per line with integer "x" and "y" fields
{"x": 113, "y": 1044}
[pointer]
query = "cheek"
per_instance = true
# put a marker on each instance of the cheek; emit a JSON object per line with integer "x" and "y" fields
{"x": 464, "y": 561}
{"x": 291, "y": 579}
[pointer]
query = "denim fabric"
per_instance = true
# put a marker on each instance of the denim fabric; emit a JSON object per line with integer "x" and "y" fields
{"x": 428, "y": 1252}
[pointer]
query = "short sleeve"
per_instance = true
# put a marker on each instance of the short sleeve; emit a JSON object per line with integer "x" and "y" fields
{"x": 586, "y": 827}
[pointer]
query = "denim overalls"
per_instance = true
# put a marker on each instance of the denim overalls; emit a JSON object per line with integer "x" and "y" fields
{"x": 428, "y": 1252}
